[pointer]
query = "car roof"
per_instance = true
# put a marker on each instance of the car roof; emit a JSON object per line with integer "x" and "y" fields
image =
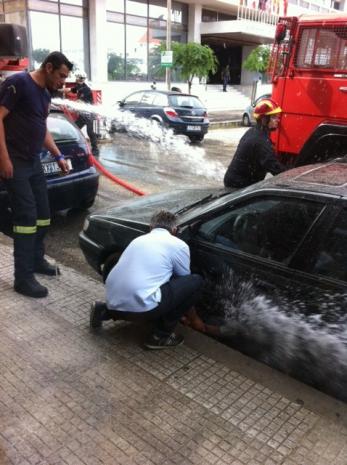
{"x": 165, "y": 92}
{"x": 326, "y": 178}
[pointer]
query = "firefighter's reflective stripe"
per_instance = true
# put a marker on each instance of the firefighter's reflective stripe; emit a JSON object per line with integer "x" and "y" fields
{"x": 24, "y": 229}
{"x": 46, "y": 222}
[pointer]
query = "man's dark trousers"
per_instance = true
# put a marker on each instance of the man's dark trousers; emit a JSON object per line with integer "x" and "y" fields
{"x": 28, "y": 198}
{"x": 88, "y": 121}
{"x": 177, "y": 297}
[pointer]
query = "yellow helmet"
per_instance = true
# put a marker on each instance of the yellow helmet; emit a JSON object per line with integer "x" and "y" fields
{"x": 266, "y": 107}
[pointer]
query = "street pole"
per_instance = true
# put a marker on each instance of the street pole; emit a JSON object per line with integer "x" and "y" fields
{"x": 168, "y": 42}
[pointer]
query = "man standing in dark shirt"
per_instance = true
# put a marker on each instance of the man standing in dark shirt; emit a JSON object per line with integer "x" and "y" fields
{"x": 254, "y": 156}
{"x": 24, "y": 107}
{"x": 84, "y": 93}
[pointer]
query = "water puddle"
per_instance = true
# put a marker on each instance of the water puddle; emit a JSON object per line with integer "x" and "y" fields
{"x": 191, "y": 157}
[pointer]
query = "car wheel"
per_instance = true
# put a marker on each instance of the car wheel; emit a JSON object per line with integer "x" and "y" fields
{"x": 195, "y": 139}
{"x": 110, "y": 262}
{"x": 245, "y": 120}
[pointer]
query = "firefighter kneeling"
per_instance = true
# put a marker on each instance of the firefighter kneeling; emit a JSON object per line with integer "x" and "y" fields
{"x": 254, "y": 156}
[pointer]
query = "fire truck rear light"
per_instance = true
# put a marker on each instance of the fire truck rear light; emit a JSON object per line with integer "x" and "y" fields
{"x": 170, "y": 113}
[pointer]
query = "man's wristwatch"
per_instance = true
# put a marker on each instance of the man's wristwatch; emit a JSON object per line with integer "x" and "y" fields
{"x": 59, "y": 157}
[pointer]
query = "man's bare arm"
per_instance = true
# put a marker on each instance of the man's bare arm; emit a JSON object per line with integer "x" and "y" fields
{"x": 50, "y": 145}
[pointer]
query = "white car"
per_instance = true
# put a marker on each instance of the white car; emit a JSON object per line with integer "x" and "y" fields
{"x": 247, "y": 117}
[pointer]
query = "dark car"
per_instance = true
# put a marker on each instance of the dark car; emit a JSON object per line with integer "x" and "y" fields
{"x": 247, "y": 117}
{"x": 289, "y": 229}
{"x": 274, "y": 256}
{"x": 76, "y": 189}
{"x": 184, "y": 113}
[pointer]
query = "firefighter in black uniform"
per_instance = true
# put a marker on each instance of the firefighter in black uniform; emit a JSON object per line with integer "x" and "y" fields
{"x": 84, "y": 93}
{"x": 254, "y": 156}
{"x": 24, "y": 107}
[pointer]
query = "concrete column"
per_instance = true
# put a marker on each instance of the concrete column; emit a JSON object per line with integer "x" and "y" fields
{"x": 194, "y": 21}
{"x": 97, "y": 36}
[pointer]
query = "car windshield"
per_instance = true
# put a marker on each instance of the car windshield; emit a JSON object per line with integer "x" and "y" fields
{"x": 61, "y": 129}
{"x": 186, "y": 101}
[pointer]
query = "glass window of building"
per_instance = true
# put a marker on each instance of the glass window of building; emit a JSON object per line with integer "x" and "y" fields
{"x": 115, "y": 5}
{"x": 44, "y": 29}
{"x": 136, "y": 7}
{"x": 59, "y": 26}
{"x": 136, "y": 53}
{"x": 74, "y": 43}
{"x": 115, "y": 51}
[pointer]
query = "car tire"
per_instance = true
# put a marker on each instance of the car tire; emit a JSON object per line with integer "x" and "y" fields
{"x": 245, "y": 120}
{"x": 110, "y": 262}
{"x": 196, "y": 139}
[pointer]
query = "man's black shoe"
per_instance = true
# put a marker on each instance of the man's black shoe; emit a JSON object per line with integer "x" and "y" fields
{"x": 31, "y": 288}
{"x": 164, "y": 342}
{"x": 46, "y": 268}
{"x": 98, "y": 314}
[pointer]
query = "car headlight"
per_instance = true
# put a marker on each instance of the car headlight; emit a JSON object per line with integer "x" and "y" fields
{"x": 86, "y": 224}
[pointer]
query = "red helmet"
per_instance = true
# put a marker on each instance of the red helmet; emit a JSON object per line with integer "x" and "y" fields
{"x": 266, "y": 107}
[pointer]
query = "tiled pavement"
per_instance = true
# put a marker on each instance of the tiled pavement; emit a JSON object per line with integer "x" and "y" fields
{"x": 71, "y": 397}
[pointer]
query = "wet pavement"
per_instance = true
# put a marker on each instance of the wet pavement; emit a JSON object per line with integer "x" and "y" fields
{"x": 71, "y": 397}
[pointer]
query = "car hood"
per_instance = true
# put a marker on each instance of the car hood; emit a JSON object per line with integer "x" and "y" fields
{"x": 177, "y": 201}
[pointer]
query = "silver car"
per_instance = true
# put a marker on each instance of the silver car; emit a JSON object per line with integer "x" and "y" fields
{"x": 247, "y": 117}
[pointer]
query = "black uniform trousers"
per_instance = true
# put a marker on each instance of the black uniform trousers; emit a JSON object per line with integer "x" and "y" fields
{"x": 28, "y": 198}
{"x": 88, "y": 121}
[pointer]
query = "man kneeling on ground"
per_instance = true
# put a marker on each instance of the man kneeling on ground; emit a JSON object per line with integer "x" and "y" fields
{"x": 152, "y": 281}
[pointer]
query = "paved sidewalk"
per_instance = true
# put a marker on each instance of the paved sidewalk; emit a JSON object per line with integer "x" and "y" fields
{"x": 71, "y": 397}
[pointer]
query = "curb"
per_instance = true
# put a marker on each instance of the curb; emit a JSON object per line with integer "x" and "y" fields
{"x": 225, "y": 124}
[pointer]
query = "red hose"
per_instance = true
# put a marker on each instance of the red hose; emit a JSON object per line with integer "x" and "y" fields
{"x": 115, "y": 179}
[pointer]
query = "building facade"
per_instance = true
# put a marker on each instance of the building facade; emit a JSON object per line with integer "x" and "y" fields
{"x": 119, "y": 40}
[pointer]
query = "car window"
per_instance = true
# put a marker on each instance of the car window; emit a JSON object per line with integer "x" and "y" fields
{"x": 160, "y": 100}
{"x": 271, "y": 228}
{"x": 185, "y": 101}
{"x": 147, "y": 98}
{"x": 133, "y": 98}
{"x": 331, "y": 259}
{"x": 61, "y": 128}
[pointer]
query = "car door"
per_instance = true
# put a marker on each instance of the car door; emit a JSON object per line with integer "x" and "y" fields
{"x": 132, "y": 102}
{"x": 260, "y": 241}
{"x": 145, "y": 108}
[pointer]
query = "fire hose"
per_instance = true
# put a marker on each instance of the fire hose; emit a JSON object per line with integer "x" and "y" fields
{"x": 114, "y": 178}
{"x": 101, "y": 168}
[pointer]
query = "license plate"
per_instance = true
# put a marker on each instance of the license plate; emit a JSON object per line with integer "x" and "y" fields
{"x": 193, "y": 128}
{"x": 52, "y": 167}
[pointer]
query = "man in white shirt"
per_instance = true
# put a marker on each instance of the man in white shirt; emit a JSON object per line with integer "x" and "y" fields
{"x": 152, "y": 281}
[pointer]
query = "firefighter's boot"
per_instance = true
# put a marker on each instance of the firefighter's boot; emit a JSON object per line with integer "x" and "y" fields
{"x": 25, "y": 282}
{"x": 41, "y": 265}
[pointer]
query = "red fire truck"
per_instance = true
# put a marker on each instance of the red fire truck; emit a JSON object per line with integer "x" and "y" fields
{"x": 308, "y": 68}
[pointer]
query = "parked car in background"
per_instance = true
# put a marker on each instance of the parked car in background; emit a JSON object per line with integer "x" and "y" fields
{"x": 76, "y": 189}
{"x": 184, "y": 113}
{"x": 247, "y": 117}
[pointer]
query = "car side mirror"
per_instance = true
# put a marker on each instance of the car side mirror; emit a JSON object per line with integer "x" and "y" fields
{"x": 121, "y": 103}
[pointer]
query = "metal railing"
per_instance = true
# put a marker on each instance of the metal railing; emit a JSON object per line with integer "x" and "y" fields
{"x": 251, "y": 14}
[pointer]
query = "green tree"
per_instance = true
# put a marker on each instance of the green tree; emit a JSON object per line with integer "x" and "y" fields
{"x": 258, "y": 59}
{"x": 193, "y": 60}
{"x": 39, "y": 54}
{"x": 115, "y": 67}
